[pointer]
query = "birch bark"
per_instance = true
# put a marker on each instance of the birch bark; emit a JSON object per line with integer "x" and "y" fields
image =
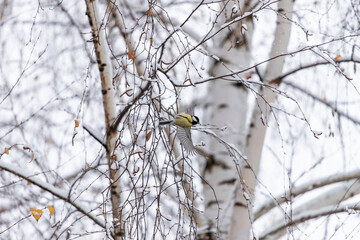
{"x": 227, "y": 107}
{"x": 105, "y": 71}
{"x": 262, "y": 113}
{"x": 231, "y": 213}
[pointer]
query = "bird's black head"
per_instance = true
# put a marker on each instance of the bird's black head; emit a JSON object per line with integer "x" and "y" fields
{"x": 195, "y": 120}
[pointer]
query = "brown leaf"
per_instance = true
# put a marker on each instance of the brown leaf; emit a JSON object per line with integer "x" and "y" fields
{"x": 131, "y": 55}
{"x": 276, "y": 82}
{"x": 6, "y": 151}
{"x": 37, "y": 213}
{"x": 148, "y": 135}
{"x": 337, "y": 57}
{"x": 149, "y": 11}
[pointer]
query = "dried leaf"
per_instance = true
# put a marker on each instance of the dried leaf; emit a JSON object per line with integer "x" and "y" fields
{"x": 276, "y": 82}
{"x": 337, "y": 57}
{"x": 151, "y": 41}
{"x": 51, "y": 210}
{"x": 6, "y": 151}
{"x": 148, "y": 135}
{"x": 26, "y": 148}
{"x": 37, "y": 213}
{"x": 131, "y": 55}
{"x": 149, "y": 11}
{"x": 76, "y": 123}
{"x": 28, "y": 183}
{"x": 87, "y": 164}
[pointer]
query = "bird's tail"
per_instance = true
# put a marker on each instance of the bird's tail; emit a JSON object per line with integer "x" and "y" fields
{"x": 164, "y": 122}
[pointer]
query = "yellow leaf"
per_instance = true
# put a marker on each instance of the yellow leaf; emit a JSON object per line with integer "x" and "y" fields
{"x": 28, "y": 183}
{"x": 51, "y": 210}
{"x": 337, "y": 57}
{"x": 76, "y": 123}
{"x": 36, "y": 213}
{"x": 6, "y": 151}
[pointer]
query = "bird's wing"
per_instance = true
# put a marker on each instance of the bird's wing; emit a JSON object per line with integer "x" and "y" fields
{"x": 184, "y": 135}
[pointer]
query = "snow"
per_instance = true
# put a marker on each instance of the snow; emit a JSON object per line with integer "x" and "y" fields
{"x": 215, "y": 57}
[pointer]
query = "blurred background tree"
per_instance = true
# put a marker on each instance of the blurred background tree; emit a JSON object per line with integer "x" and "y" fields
{"x": 83, "y": 86}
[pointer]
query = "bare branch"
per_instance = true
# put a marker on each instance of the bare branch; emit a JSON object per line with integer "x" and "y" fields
{"x": 308, "y": 215}
{"x": 59, "y": 193}
{"x": 324, "y": 102}
{"x": 315, "y": 64}
{"x": 305, "y": 188}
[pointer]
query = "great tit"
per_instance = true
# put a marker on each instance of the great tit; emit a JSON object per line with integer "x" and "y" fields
{"x": 183, "y": 123}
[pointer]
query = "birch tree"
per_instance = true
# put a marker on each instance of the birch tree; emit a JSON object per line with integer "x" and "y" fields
{"x": 84, "y": 85}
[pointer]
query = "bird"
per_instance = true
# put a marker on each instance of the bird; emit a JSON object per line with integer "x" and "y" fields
{"x": 183, "y": 123}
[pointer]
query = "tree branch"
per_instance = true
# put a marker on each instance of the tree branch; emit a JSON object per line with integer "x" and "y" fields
{"x": 59, "y": 193}
{"x": 94, "y": 135}
{"x": 308, "y": 215}
{"x": 304, "y": 188}
{"x": 118, "y": 119}
{"x": 315, "y": 64}
{"x": 323, "y": 101}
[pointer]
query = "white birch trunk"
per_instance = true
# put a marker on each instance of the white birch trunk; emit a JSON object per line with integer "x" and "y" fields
{"x": 105, "y": 70}
{"x": 227, "y": 107}
{"x": 262, "y": 112}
